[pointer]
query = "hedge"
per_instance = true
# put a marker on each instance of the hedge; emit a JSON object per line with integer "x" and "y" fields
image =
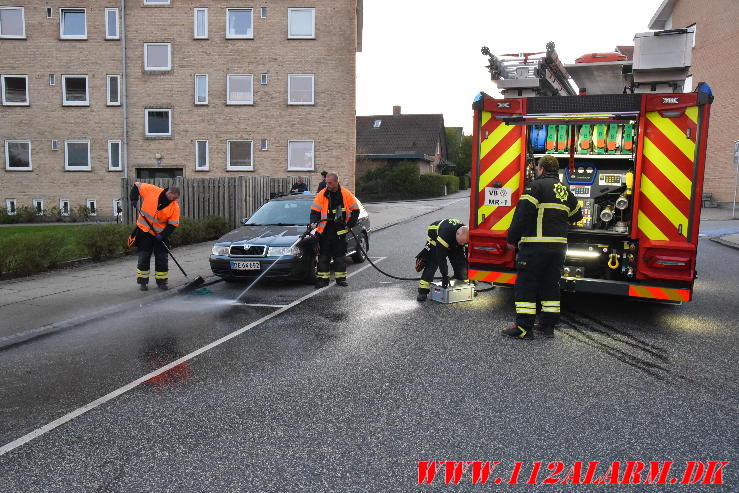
{"x": 33, "y": 253}
{"x": 404, "y": 181}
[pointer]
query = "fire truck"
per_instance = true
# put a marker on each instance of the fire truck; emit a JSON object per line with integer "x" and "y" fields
{"x": 631, "y": 147}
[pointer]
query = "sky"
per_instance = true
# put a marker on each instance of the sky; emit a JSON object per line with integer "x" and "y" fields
{"x": 424, "y": 55}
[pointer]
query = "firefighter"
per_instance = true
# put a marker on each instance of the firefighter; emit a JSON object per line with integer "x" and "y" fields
{"x": 444, "y": 238}
{"x": 334, "y": 212}
{"x": 159, "y": 215}
{"x": 539, "y": 228}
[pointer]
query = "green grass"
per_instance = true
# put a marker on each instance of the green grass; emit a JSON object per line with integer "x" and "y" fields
{"x": 66, "y": 239}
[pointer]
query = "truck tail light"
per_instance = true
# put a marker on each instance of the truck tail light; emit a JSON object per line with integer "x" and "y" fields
{"x": 492, "y": 250}
{"x": 666, "y": 260}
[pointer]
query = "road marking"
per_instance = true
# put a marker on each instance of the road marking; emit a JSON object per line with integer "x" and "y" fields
{"x": 264, "y": 305}
{"x": 122, "y": 390}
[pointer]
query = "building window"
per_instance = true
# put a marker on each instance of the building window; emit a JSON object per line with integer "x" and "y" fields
{"x": 239, "y": 155}
{"x": 114, "y": 90}
{"x": 52, "y": 79}
{"x": 111, "y": 24}
{"x": 240, "y": 89}
{"x": 158, "y": 123}
{"x": 264, "y": 145}
{"x": 54, "y": 145}
{"x": 117, "y": 207}
{"x": 18, "y": 155}
{"x": 263, "y": 79}
{"x": 158, "y": 56}
{"x": 300, "y": 155}
{"x": 377, "y": 124}
{"x": 114, "y": 155}
{"x": 38, "y": 207}
{"x": 200, "y": 27}
{"x": 77, "y": 155}
{"x": 12, "y": 22}
{"x": 64, "y": 207}
{"x": 72, "y": 24}
{"x": 91, "y": 205}
{"x": 300, "y": 89}
{"x": 201, "y": 89}
{"x": 49, "y": 12}
{"x": 264, "y": 13}
{"x": 10, "y": 206}
{"x": 156, "y": 2}
{"x": 15, "y": 90}
{"x": 74, "y": 90}
{"x": 301, "y": 23}
{"x": 201, "y": 155}
{"x": 239, "y": 24}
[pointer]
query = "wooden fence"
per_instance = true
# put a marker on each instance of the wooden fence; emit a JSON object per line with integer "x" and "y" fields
{"x": 232, "y": 197}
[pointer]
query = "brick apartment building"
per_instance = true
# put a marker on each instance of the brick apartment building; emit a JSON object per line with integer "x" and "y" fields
{"x": 716, "y": 61}
{"x": 96, "y": 90}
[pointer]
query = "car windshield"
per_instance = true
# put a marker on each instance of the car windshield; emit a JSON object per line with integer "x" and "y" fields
{"x": 282, "y": 212}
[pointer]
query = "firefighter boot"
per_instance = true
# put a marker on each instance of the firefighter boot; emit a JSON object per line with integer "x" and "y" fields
{"x": 321, "y": 282}
{"x": 546, "y": 330}
{"x": 517, "y": 332}
{"x": 341, "y": 281}
{"x": 143, "y": 287}
{"x": 422, "y": 295}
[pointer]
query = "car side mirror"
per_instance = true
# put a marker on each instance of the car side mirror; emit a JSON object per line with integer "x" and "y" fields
{"x": 245, "y": 220}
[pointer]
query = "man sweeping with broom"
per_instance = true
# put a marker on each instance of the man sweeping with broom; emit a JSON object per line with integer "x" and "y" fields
{"x": 158, "y": 216}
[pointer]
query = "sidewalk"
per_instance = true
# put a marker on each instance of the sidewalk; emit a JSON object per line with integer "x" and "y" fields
{"x": 726, "y": 232}
{"x": 52, "y": 301}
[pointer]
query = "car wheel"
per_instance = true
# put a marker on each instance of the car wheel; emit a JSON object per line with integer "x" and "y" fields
{"x": 310, "y": 278}
{"x": 358, "y": 257}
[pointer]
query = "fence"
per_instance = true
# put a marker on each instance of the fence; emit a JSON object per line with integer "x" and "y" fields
{"x": 232, "y": 197}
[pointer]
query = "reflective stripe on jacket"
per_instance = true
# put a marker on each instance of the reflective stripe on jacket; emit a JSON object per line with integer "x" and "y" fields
{"x": 321, "y": 204}
{"x": 159, "y": 219}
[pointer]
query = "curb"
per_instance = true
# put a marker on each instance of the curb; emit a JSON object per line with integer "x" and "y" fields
{"x": 8, "y": 342}
{"x": 721, "y": 241}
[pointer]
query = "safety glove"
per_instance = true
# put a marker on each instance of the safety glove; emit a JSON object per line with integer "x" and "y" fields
{"x": 351, "y": 223}
{"x": 445, "y": 282}
{"x": 135, "y": 203}
{"x": 159, "y": 237}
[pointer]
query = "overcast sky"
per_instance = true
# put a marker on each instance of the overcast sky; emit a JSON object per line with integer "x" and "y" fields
{"x": 424, "y": 55}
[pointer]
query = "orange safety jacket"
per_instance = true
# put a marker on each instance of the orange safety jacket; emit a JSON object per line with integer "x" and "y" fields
{"x": 159, "y": 219}
{"x": 321, "y": 202}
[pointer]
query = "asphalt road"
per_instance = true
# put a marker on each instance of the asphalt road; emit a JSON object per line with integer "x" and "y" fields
{"x": 346, "y": 389}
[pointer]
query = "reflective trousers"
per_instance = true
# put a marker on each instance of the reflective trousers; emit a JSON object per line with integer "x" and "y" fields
{"x": 147, "y": 245}
{"x": 332, "y": 247}
{"x": 539, "y": 268}
{"x": 456, "y": 257}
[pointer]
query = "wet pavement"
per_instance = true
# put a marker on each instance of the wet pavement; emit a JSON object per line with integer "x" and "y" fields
{"x": 345, "y": 389}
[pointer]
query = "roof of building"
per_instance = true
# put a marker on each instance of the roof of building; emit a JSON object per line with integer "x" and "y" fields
{"x": 660, "y": 18}
{"x": 399, "y": 134}
{"x": 627, "y": 51}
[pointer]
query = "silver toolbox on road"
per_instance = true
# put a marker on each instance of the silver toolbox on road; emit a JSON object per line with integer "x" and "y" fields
{"x": 461, "y": 291}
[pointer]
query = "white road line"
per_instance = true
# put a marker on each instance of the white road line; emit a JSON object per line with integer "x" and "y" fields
{"x": 236, "y": 303}
{"x": 122, "y": 390}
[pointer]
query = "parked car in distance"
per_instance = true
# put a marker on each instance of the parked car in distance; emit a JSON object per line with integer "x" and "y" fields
{"x": 271, "y": 236}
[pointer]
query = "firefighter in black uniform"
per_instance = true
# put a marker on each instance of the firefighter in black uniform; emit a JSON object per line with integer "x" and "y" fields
{"x": 445, "y": 238}
{"x": 334, "y": 212}
{"x": 539, "y": 228}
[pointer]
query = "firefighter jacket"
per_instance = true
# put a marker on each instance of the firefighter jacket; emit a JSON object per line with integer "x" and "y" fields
{"x": 544, "y": 212}
{"x": 162, "y": 214}
{"x": 326, "y": 205}
{"x": 442, "y": 237}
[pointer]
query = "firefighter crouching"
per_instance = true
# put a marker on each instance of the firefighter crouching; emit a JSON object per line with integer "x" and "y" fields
{"x": 334, "y": 211}
{"x": 445, "y": 238}
{"x": 159, "y": 215}
{"x": 539, "y": 227}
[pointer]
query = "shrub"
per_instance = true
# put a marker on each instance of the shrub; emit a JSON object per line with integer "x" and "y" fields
{"x": 105, "y": 241}
{"x": 464, "y": 182}
{"x": 28, "y": 255}
{"x": 215, "y": 227}
{"x": 25, "y": 214}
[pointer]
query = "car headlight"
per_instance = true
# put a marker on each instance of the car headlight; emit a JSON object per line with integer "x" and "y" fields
{"x": 220, "y": 249}
{"x": 280, "y": 251}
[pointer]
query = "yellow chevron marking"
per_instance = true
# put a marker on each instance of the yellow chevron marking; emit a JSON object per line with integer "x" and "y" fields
{"x": 485, "y": 210}
{"x": 667, "y": 167}
{"x": 485, "y": 117}
{"x": 672, "y": 132}
{"x": 667, "y": 208}
{"x": 649, "y": 229}
{"x": 504, "y": 223}
{"x": 499, "y": 164}
{"x": 642, "y": 291}
{"x": 692, "y": 113}
{"x": 494, "y": 138}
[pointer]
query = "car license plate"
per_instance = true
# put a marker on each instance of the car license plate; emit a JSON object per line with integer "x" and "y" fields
{"x": 245, "y": 265}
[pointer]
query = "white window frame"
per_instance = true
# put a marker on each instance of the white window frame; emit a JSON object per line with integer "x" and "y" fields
{"x": 264, "y": 145}
{"x": 229, "y": 167}
{"x": 169, "y": 58}
{"x": 156, "y": 2}
{"x": 313, "y": 147}
{"x": 195, "y": 23}
{"x": 110, "y": 155}
{"x": 109, "y": 102}
{"x": 61, "y": 207}
{"x": 27, "y": 102}
{"x": 66, "y": 156}
{"x": 264, "y": 79}
{"x": 61, "y": 24}
{"x": 117, "y": 34}
{"x": 195, "y": 99}
{"x": 236, "y": 36}
{"x": 7, "y": 156}
{"x": 291, "y": 36}
{"x": 313, "y": 89}
{"x": 263, "y": 12}
{"x": 146, "y": 122}
{"x": 49, "y": 13}
{"x": 86, "y": 102}
{"x": 207, "y": 156}
{"x": 11, "y": 210}
{"x": 23, "y": 22}
{"x": 228, "y": 89}
{"x": 94, "y": 209}
{"x": 52, "y": 79}
{"x": 114, "y": 206}
{"x": 35, "y": 209}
